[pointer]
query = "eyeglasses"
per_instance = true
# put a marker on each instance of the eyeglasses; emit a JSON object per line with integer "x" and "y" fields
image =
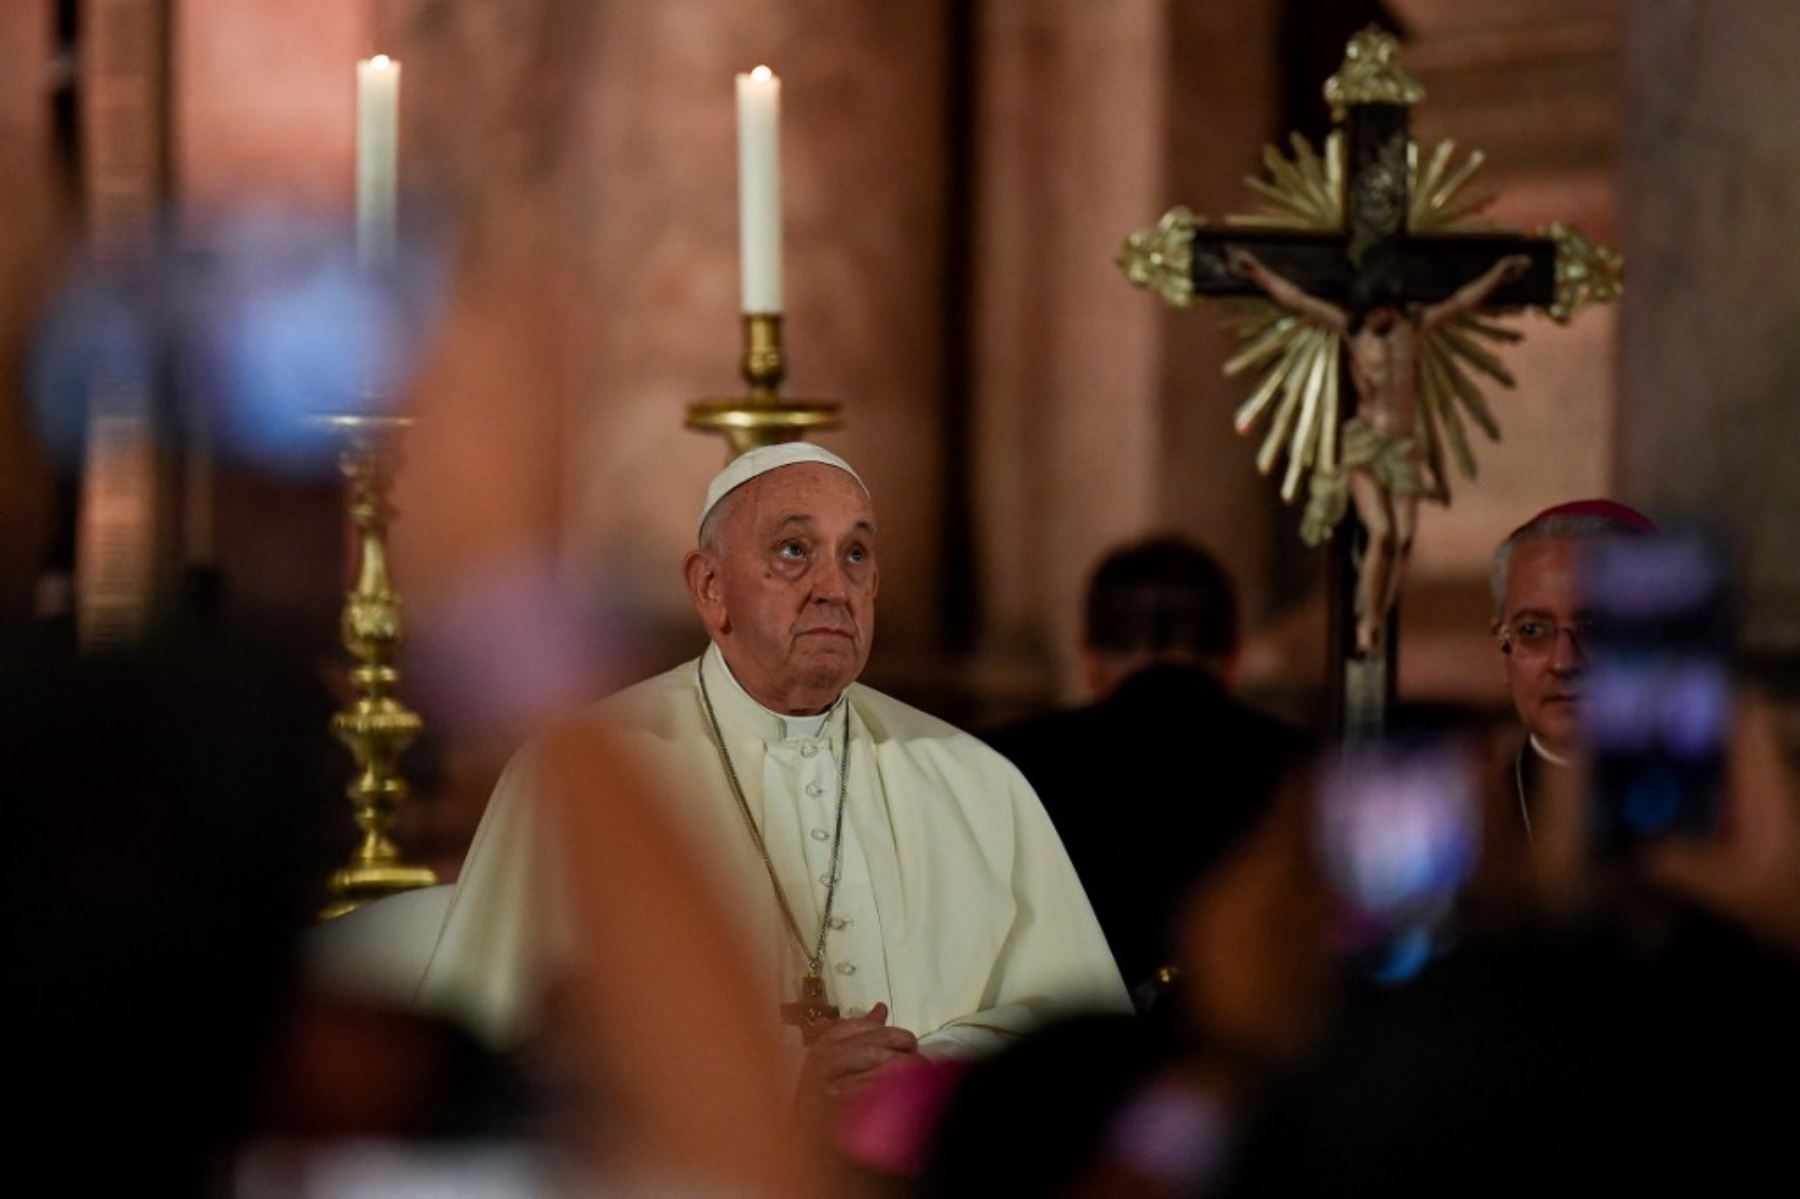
{"x": 1537, "y": 638}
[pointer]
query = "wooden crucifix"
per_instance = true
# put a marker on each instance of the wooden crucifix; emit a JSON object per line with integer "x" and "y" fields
{"x": 1367, "y": 254}
{"x": 812, "y": 1013}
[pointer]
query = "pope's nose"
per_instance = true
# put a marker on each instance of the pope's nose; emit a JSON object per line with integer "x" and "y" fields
{"x": 830, "y": 583}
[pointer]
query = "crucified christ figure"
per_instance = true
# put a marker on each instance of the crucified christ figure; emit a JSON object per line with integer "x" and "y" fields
{"x": 1385, "y": 466}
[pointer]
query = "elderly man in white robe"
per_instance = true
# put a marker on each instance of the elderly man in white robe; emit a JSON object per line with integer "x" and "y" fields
{"x": 897, "y": 881}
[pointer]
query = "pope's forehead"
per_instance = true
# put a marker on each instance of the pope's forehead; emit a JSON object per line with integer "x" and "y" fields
{"x": 807, "y": 489}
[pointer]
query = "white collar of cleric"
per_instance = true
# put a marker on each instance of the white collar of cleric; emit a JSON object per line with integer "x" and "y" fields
{"x": 739, "y": 707}
{"x": 761, "y": 461}
{"x": 1549, "y": 755}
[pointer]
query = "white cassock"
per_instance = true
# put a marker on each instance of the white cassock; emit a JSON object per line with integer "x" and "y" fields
{"x": 956, "y": 903}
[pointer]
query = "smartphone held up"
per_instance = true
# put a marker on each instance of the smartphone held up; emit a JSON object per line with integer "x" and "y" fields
{"x": 1658, "y": 696}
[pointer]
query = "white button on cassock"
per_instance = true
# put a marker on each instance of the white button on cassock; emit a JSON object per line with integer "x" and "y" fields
{"x": 807, "y": 751}
{"x": 814, "y": 790}
{"x": 846, "y": 968}
{"x": 820, "y": 834}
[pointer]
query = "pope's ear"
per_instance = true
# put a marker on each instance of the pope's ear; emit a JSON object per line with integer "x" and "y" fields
{"x": 701, "y": 570}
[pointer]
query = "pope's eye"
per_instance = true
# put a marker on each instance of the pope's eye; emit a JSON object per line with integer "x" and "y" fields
{"x": 793, "y": 551}
{"x": 857, "y": 553}
{"x": 1530, "y": 630}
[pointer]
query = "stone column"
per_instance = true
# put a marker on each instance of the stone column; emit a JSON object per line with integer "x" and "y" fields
{"x": 1223, "y": 96}
{"x": 30, "y": 239}
{"x": 1099, "y": 416}
{"x": 1709, "y": 426}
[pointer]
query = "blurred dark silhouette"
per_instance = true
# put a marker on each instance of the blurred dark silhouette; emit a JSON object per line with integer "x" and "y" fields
{"x": 175, "y": 815}
{"x": 1033, "y": 1120}
{"x": 1154, "y": 782}
{"x": 1573, "y": 1057}
{"x": 170, "y": 841}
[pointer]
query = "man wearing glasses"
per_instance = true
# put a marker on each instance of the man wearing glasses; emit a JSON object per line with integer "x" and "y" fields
{"x": 1543, "y": 621}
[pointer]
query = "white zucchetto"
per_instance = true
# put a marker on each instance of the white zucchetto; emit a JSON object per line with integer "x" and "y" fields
{"x": 761, "y": 461}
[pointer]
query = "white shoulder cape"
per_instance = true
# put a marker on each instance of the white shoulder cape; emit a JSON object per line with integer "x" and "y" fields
{"x": 984, "y": 928}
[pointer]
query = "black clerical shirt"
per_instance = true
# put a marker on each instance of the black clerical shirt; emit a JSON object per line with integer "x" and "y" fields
{"x": 1149, "y": 789}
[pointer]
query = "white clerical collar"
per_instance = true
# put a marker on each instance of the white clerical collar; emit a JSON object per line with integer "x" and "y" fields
{"x": 1549, "y": 755}
{"x": 740, "y": 707}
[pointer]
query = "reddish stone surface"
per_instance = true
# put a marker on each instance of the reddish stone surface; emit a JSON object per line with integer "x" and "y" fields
{"x": 1709, "y": 429}
{"x": 30, "y": 246}
{"x": 264, "y": 103}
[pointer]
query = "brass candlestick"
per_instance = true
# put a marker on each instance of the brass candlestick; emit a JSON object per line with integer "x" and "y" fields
{"x": 376, "y": 726}
{"x": 762, "y": 417}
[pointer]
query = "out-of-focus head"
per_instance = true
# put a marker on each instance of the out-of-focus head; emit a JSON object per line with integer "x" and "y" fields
{"x": 1252, "y": 940}
{"x": 178, "y": 850}
{"x": 1156, "y": 602}
{"x": 785, "y": 575}
{"x": 1540, "y": 614}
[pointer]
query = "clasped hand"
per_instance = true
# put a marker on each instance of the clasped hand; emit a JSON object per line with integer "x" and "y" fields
{"x": 847, "y": 1055}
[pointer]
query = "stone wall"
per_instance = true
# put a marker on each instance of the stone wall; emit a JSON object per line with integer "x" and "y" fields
{"x": 1709, "y": 425}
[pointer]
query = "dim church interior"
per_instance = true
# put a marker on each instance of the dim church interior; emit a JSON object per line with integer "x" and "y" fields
{"x": 957, "y": 181}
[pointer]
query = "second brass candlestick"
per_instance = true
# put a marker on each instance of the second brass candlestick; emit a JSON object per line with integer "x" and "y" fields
{"x": 376, "y": 726}
{"x": 762, "y": 417}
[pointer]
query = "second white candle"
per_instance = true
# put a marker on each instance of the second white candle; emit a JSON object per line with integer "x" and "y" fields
{"x": 377, "y": 157}
{"x": 759, "y": 188}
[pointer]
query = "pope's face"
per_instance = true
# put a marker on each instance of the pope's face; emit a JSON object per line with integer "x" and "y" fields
{"x": 788, "y": 588}
{"x": 1546, "y": 673}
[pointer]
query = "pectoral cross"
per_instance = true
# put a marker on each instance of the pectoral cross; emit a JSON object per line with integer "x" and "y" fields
{"x": 812, "y": 1011}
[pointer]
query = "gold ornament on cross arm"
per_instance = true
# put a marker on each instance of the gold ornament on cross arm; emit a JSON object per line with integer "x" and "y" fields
{"x": 1161, "y": 260}
{"x": 762, "y": 417}
{"x": 376, "y": 726}
{"x": 1586, "y": 271}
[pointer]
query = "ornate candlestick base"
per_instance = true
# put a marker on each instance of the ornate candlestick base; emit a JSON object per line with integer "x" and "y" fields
{"x": 762, "y": 417}
{"x": 376, "y": 726}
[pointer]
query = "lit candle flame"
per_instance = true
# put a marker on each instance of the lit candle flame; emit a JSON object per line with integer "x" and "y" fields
{"x": 761, "y": 73}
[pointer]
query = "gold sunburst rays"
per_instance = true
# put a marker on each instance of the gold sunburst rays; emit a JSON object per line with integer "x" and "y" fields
{"x": 1301, "y": 389}
{"x": 1439, "y": 203}
{"x": 1441, "y": 421}
{"x": 1306, "y": 192}
{"x": 1297, "y": 362}
{"x": 1298, "y": 389}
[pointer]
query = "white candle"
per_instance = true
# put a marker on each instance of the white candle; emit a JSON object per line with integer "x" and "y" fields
{"x": 759, "y": 188}
{"x": 377, "y": 157}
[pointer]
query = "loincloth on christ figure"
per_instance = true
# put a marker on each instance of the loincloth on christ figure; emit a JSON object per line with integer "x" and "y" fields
{"x": 1391, "y": 461}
